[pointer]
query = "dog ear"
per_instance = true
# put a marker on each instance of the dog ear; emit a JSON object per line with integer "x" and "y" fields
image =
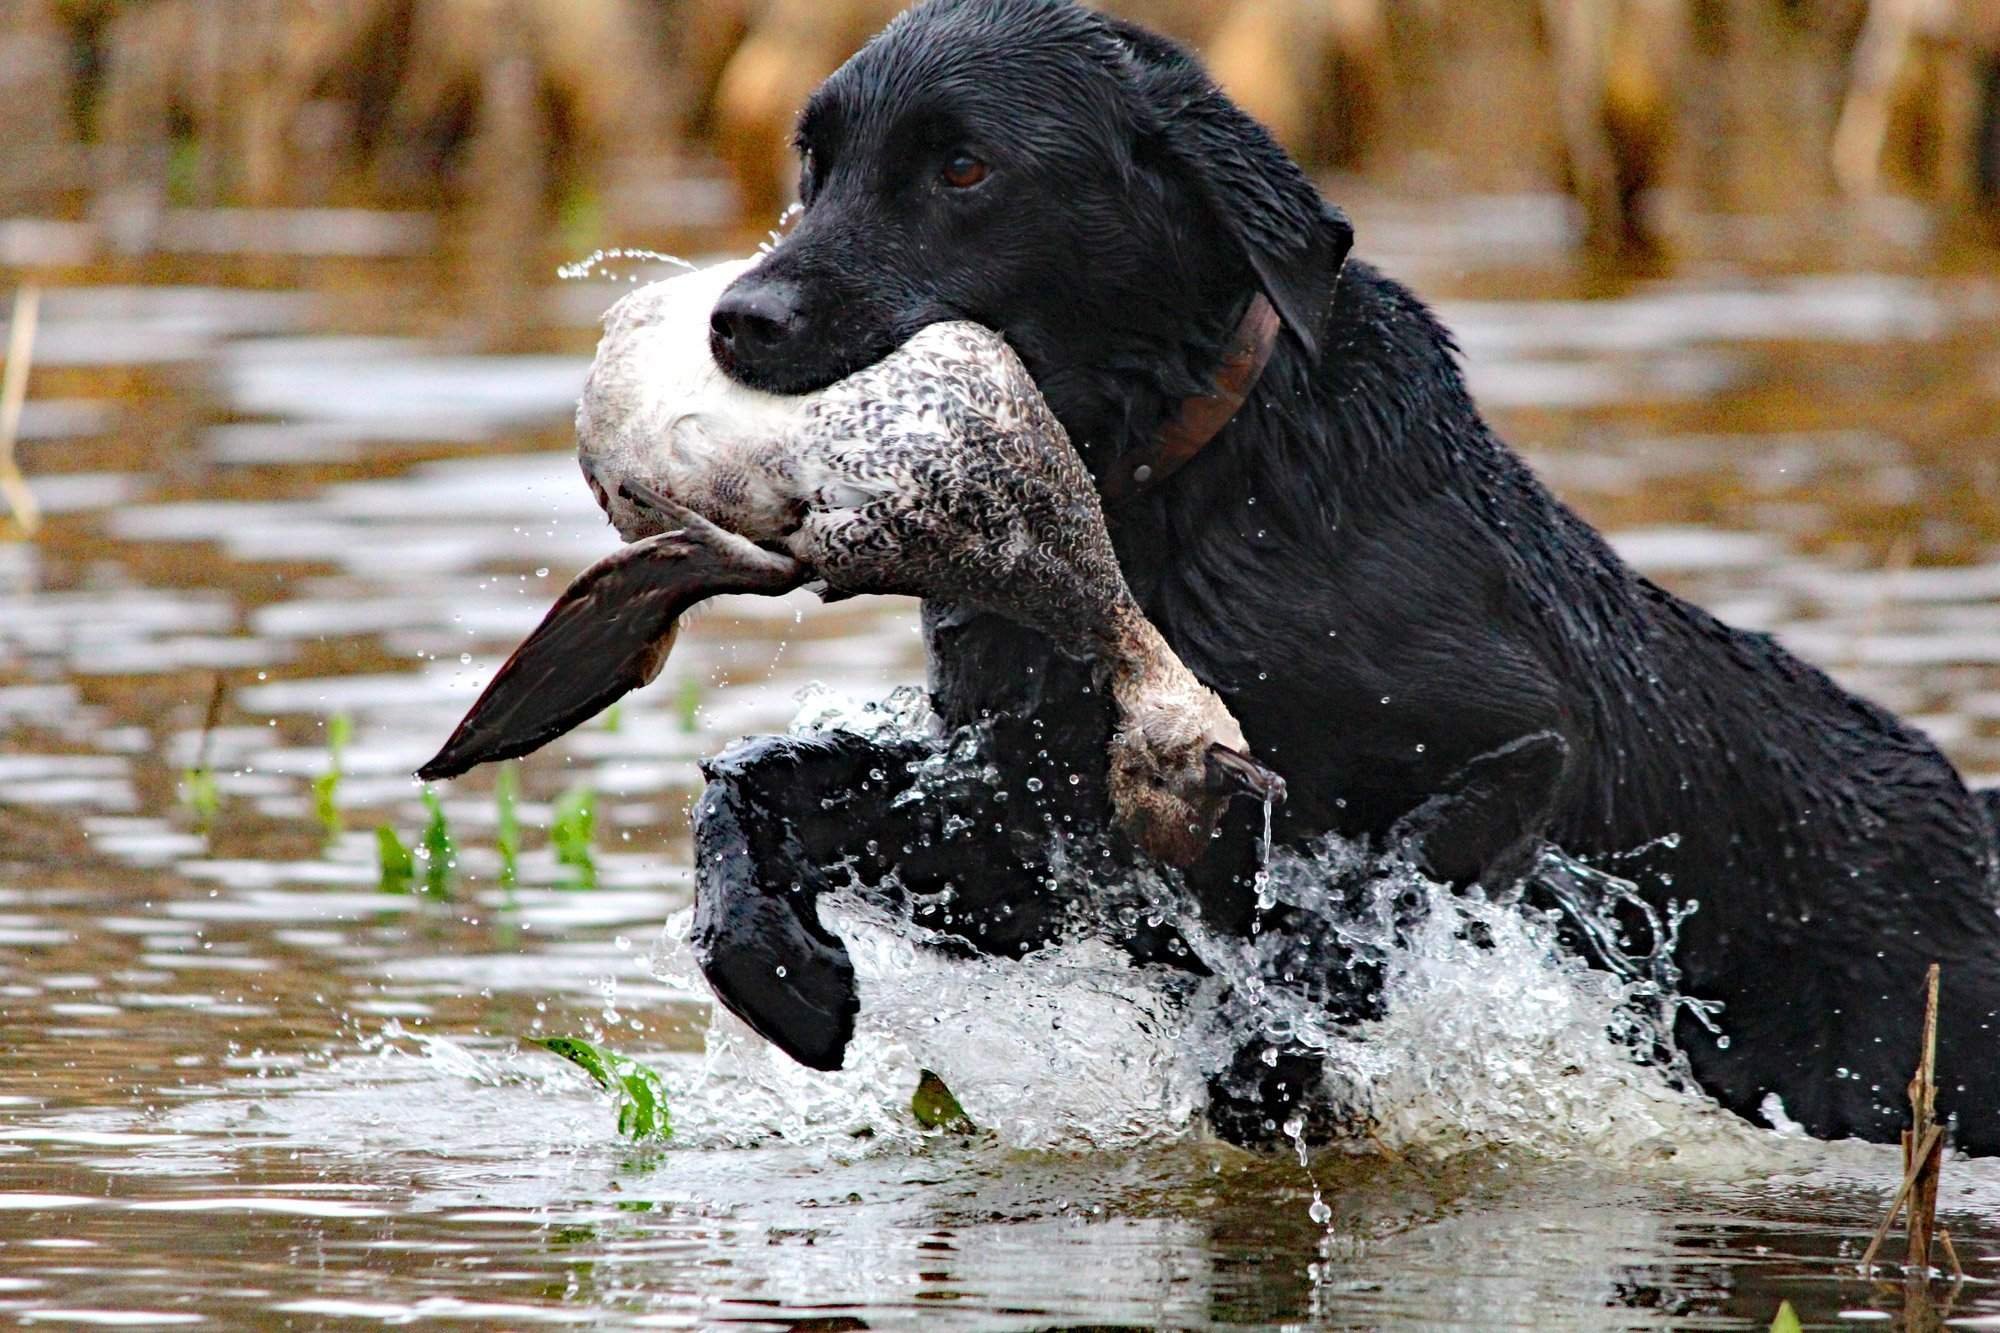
{"x": 1291, "y": 237}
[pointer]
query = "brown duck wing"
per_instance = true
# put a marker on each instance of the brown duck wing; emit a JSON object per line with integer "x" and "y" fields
{"x": 608, "y": 634}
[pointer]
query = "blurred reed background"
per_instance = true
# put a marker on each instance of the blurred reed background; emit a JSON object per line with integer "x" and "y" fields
{"x": 293, "y": 378}
{"x": 571, "y": 123}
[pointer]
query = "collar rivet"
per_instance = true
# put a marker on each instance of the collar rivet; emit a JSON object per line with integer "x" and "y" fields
{"x": 1200, "y": 418}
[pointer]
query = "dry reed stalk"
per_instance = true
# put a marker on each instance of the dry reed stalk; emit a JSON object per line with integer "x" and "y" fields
{"x": 1951, "y": 1253}
{"x": 1923, "y": 1151}
{"x": 1901, "y": 555}
{"x": 13, "y": 395}
{"x": 204, "y": 753}
{"x": 1926, "y": 1165}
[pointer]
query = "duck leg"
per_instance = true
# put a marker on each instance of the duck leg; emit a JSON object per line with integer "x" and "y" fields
{"x": 608, "y": 634}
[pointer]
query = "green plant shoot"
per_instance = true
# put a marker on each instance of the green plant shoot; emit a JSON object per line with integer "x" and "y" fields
{"x": 201, "y": 797}
{"x": 183, "y": 170}
{"x": 393, "y": 860}
{"x": 935, "y": 1107}
{"x": 687, "y": 704}
{"x": 507, "y": 834}
{"x": 641, "y": 1095}
{"x": 198, "y": 790}
{"x": 326, "y": 787}
{"x": 440, "y": 855}
{"x": 1787, "y": 1320}
{"x": 574, "y": 825}
{"x": 580, "y": 217}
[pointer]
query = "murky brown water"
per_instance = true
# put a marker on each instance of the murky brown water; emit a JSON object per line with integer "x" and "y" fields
{"x": 240, "y": 1085}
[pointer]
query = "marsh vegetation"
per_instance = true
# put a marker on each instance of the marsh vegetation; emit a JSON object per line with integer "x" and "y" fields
{"x": 290, "y": 469}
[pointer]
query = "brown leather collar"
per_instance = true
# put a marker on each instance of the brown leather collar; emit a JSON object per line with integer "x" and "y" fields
{"x": 1202, "y": 417}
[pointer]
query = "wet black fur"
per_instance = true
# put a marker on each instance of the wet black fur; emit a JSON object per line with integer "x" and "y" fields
{"x": 1409, "y": 626}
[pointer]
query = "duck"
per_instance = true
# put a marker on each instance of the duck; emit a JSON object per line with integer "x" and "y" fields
{"x": 937, "y": 472}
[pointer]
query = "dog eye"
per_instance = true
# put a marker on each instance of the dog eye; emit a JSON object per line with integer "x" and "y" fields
{"x": 962, "y": 171}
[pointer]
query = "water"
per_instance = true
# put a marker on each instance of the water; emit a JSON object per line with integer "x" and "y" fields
{"x": 239, "y": 1085}
{"x": 598, "y": 264}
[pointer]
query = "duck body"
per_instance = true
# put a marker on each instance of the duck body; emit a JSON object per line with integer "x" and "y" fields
{"x": 938, "y": 472}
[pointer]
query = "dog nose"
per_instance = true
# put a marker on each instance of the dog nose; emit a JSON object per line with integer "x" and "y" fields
{"x": 754, "y": 317}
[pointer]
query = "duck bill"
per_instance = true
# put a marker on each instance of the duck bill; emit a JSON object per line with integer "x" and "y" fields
{"x": 1232, "y": 773}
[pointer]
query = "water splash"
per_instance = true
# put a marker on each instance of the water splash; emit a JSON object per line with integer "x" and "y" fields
{"x": 1069, "y": 1047}
{"x": 1488, "y": 1029}
{"x": 1603, "y": 907}
{"x": 792, "y": 213}
{"x": 598, "y": 260}
{"x": 1262, "y": 881}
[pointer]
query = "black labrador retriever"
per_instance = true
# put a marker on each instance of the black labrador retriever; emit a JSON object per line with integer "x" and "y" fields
{"x": 1440, "y": 658}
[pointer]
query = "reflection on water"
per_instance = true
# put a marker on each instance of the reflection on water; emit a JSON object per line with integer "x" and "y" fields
{"x": 241, "y": 1085}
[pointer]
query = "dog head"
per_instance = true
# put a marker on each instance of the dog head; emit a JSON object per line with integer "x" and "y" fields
{"x": 1073, "y": 181}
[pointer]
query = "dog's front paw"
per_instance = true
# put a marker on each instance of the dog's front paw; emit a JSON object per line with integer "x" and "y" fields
{"x": 760, "y": 945}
